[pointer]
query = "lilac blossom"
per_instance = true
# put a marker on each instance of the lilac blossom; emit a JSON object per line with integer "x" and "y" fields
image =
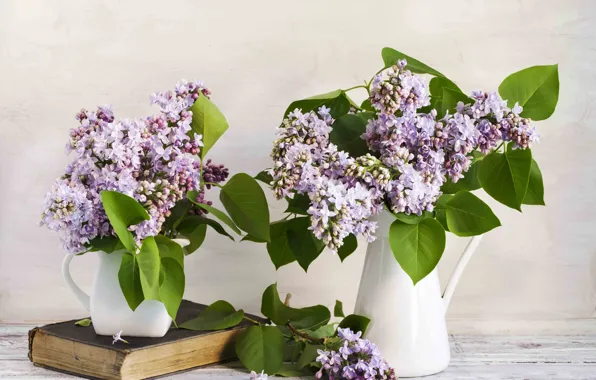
{"x": 154, "y": 160}
{"x": 356, "y": 358}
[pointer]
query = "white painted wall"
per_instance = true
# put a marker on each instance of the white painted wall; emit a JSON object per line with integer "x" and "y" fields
{"x": 256, "y": 57}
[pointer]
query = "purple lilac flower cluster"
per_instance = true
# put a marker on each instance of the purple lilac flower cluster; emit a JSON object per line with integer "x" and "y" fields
{"x": 344, "y": 192}
{"x": 153, "y": 160}
{"x": 356, "y": 359}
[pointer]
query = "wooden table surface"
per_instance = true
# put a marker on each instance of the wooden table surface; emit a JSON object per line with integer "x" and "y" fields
{"x": 474, "y": 358}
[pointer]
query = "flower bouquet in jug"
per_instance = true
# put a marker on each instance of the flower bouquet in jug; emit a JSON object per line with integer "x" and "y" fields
{"x": 135, "y": 192}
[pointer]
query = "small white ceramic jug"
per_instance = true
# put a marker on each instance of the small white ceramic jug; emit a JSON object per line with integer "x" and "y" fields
{"x": 407, "y": 322}
{"x": 110, "y": 313}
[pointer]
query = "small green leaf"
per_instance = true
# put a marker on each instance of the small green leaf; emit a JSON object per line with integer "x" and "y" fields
{"x": 195, "y": 230}
{"x": 130, "y": 281}
{"x": 417, "y": 247}
{"x": 355, "y": 323}
{"x": 535, "y": 193}
{"x": 338, "y": 310}
{"x": 290, "y": 370}
{"x": 219, "y": 315}
{"x": 172, "y": 287}
{"x": 83, "y": 322}
{"x": 107, "y": 244}
{"x": 367, "y": 105}
{"x": 123, "y": 211}
{"x": 349, "y": 246}
{"x": 169, "y": 248}
{"x": 279, "y": 246}
{"x": 536, "y": 89}
{"x": 308, "y": 318}
{"x": 261, "y": 348}
{"x": 215, "y": 212}
{"x": 335, "y": 100}
{"x": 308, "y": 355}
{"x": 413, "y": 218}
{"x": 505, "y": 176}
{"x": 323, "y": 331}
{"x": 469, "y": 182}
{"x": 347, "y": 132}
{"x": 304, "y": 245}
{"x": 391, "y": 56}
{"x": 468, "y": 215}
{"x": 149, "y": 266}
{"x": 436, "y": 86}
{"x": 245, "y": 201}
{"x": 178, "y": 212}
{"x": 264, "y": 177}
{"x": 299, "y": 204}
{"x": 207, "y": 120}
{"x": 450, "y": 99}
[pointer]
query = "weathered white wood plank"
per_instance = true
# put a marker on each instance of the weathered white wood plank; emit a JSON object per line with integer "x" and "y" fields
{"x": 475, "y": 357}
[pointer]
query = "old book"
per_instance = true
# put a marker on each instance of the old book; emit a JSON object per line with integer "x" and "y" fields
{"x": 78, "y": 350}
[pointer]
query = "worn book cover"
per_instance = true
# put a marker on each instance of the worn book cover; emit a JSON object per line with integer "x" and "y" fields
{"x": 79, "y": 351}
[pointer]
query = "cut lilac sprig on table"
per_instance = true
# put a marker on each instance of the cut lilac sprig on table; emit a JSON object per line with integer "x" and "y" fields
{"x": 356, "y": 358}
{"x": 118, "y": 338}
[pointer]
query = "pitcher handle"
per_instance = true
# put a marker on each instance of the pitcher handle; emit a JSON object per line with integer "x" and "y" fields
{"x": 81, "y": 295}
{"x": 459, "y": 269}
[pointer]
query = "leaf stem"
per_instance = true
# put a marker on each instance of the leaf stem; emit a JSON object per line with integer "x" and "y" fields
{"x": 252, "y": 320}
{"x": 213, "y": 184}
{"x": 355, "y": 87}
{"x": 303, "y": 335}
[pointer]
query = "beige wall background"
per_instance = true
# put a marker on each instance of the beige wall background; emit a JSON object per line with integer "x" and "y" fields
{"x": 536, "y": 273}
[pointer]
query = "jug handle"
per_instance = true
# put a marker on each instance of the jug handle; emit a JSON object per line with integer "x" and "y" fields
{"x": 459, "y": 269}
{"x": 81, "y": 295}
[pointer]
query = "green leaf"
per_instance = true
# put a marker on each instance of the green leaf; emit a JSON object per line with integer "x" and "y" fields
{"x": 290, "y": 370}
{"x": 308, "y": 355}
{"x": 413, "y": 218}
{"x": 468, "y": 215}
{"x": 171, "y": 289}
{"x": 260, "y": 348}
{"x": 194, "y": 229}
{"x": 469, "y": 182}
{"x": 107, "y": 244}
{"x": 306, "y": 318}
{"x": 264, "y": 177}
{"x": 349, "y": 246}
{"x": 245, "y": 201}
{"x": 535, "y": 193}
{"x": 336, "y": 100}
{"x": 83, "y": 322}
{"x": 169, "y": 248}
{"x": 149, "y": 267}
{"x": 323, "y": 331}
{"x": 391, "y": 56}
{"x": 367, "y": 105}
{"x": 304, "y": 245}
{"x": 252, "y": 238}
{"x": 123, "y": 211}
{"x": 207, "y": 120}
{"x": 536, "y": 89}
{"x": 338, "y": 310}
{"x": 130, "y": 281}
{"x": 219, "y": 315}
{"x": 279, "y": 246}
{"x": 178, "y": 212}
{"x": 450, "y": 99}
{"x": 417, "y": 247}
{"x": 505, "y": 176}
{"x": 436, "y": 86}
{"x": 347, "y": 132}
{"x": 215, "y": 212}
{"x": 299, "y": 204}
{"x": 355, "y": 323}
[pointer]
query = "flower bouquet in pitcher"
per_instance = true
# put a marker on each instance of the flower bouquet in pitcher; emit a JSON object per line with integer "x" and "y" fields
{"x": 399, "y": 169}
{"x": 135, "y": 194}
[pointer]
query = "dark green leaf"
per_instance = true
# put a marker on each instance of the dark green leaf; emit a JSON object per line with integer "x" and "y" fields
{"x": 253, "y": 239}
{"x": 264, "y": 177}
{"x": 366, "y": 105}
{"x": 123, "y": 211}
{"x": 169, "y": 248}
{"x": 413, "y": 218}
{"x": 299, "y": 204}
{"x": 290, "y": 370}
{"x": 178, "y": 212}
{"x": 468, "y": 215}
{"x": 436, "y": 86}
{"x": 308, "y": 355}
{"x": 130, "y": 281}
{"x": 304, "y": 245}
{"x": 535, "y": 193}
{"x": 207, "y": 120}
{"x": 83, "y": 322}
{"x": 338, "y": 310}
{"x": 279, "y": 246}
{"x": 450, "y": 99}
{"x": 469, "y": 182}
{"x": 172, "y": 287}
{"x": 219, "y": 315}
{"x": 349, "y": 246}
{"x": 195, "y": 230}
{"x": 355, "y": 323}
{"x": 536, "y": 89}
{"x": 149, "y": 266}
{"x": 306, "y": 318}
{"x": 391, "y": 56}
{"x": 245, "y": 201}
{"x": 323, "y": 331}
{"x": 417, "y": 247}
{"x": 107, "y": 244}
{"x": 347, "y": 132}
{"x": 215, "y": 212}
{"x": 335, "y": 100}
{"x": 260, "y": 348}
{"x": 505, "y": 176}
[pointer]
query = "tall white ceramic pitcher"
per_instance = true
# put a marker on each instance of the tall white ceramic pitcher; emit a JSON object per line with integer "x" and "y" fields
{"x": 407, "y": 321}
{"x": 110, "y": 313}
